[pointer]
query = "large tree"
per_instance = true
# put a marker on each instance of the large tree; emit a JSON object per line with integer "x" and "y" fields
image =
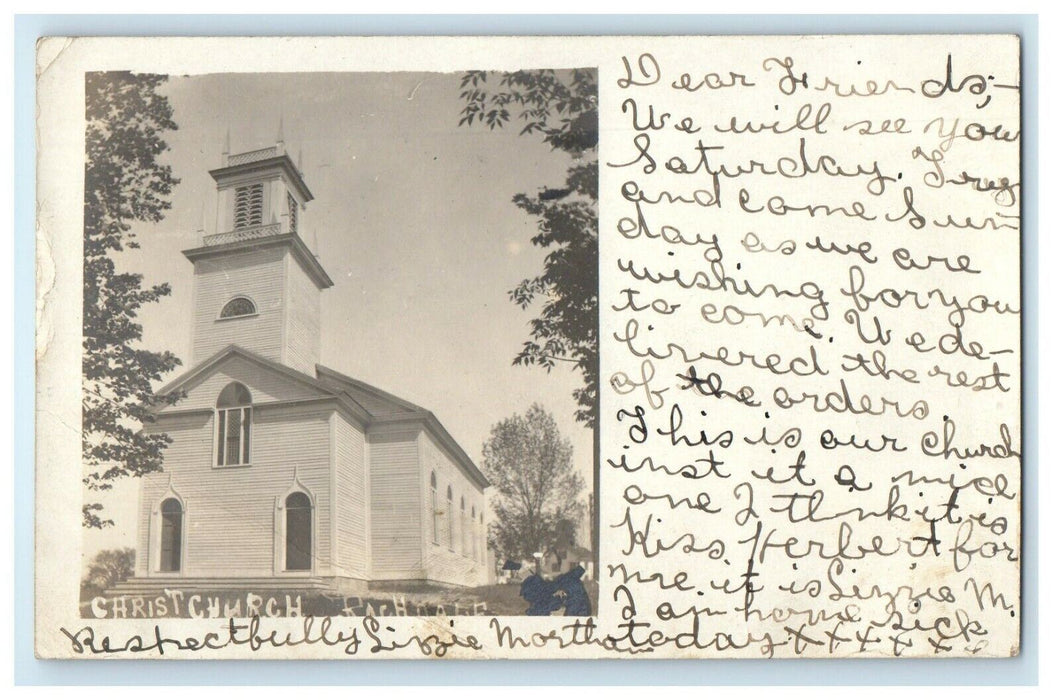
{"x": 124, "y": 183}
{"x": 561, "y": 108}
{"x": 538, "y": 492}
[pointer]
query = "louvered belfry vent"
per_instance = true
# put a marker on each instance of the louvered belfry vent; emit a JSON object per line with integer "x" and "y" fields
{"x": 292, "y": 212}
{"x": 249, "y": 205}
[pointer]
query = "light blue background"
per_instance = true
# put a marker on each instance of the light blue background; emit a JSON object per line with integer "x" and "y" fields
{"x": 1022, "y": 670}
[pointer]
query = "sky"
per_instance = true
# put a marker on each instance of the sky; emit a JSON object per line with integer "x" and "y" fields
{"x": 413, "y": 220}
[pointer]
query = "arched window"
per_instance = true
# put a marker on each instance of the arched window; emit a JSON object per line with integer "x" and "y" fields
{"x": 299, "y": 512}
{"x": 463, "y": 527}
{"x": 474, "y": 535}
{"x": 434, "y": 508}
{"x": 240, "y": 306}
{"x": 233, "y": 426}
{"x": 449, "y": 517}
{"x": 172, "y": 535}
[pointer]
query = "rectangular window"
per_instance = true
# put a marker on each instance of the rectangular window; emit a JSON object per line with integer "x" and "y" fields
{"x": 250, "y": 206}
{"x": 246, "y": 436}
{"x": 233, "y": 436}
{"x": 220, "y": 437}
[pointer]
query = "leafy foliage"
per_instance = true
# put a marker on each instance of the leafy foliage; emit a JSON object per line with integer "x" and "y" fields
{"x": 124, "y": 183}
{"x": 109, "y": 567}
{"x": 561, "y": 107}
{"x": 537, "y": 503}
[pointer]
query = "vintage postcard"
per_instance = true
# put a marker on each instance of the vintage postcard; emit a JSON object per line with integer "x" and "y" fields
{"x": 480, "y": 348}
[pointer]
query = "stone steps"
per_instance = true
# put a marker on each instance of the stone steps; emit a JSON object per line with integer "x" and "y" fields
{"x": 154, "y": 585}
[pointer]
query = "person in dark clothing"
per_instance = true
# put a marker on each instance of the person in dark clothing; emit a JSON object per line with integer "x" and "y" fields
{"x": 566, "y": 592}
{"x": 541, "y": 595}
{"x": 576, "y": 599}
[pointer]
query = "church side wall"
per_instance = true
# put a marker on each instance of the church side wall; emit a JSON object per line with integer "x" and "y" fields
{"x": 351, "y": 485}
{"x": 396, "y": 517}
{"x": 453, "y": 558}
{"x": 303, "y": 319}
{"x": 230, "y": 512}
{"x": 257, "y": 274}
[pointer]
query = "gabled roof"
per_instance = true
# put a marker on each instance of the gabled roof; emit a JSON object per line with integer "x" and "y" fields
{"x": 229, "y": 351}
{"x": 371, "y": 405}
{"x": 387, "y": 408}
{"x": 377, "y": 401}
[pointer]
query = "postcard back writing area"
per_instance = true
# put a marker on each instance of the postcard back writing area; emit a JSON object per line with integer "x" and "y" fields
{"x": 810, "y": 299}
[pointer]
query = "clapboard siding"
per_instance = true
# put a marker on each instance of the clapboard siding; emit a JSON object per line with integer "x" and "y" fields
{"x": 230, "y": 513}
{"x": 257, "y": 274}
{"x": 192, "y": 445}
{"x": 396, "y": 527}
{"x": 264, "y": 384}
{"x": 303, "y": 319}
{"x": 351, "y": 500}
{"x": 452, "y": 559}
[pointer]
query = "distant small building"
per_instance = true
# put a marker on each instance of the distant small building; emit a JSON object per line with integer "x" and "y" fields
{"x": 568, "y": 559}
{"x": 282, "y": 472}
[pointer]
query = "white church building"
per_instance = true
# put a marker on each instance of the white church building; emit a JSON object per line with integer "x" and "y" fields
{"x": 283, "y": 473}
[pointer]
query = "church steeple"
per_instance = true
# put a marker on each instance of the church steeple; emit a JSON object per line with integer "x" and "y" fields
{"x": 257, "y": 283}
{"x": 257, "y": 189}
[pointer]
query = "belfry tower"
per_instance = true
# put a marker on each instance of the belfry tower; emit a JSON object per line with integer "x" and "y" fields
{"x": 257, "y": 284}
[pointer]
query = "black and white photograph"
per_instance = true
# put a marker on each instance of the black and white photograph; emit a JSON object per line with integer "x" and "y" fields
{"x": 673, "y": 347}
{"x": 340, "y": 344}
